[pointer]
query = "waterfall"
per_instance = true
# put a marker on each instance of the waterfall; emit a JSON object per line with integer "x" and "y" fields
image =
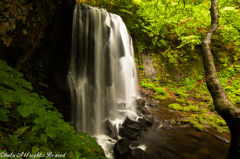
{"x": 102, "y": 75}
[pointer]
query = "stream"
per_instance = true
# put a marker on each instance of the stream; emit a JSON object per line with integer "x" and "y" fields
{"x": 182, "y": 141}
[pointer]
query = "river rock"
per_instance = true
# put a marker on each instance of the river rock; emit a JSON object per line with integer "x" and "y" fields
{"x": 132, "y": 124}
{"x": 222, "y": 139}
{"x": 122, "y": 147}
{"x": 128, "y": 133}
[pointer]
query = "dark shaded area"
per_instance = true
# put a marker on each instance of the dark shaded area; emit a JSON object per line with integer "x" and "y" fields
{"x": 50, "y": 62}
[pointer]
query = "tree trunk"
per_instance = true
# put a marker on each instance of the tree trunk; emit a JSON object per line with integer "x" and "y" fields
{"x": 228, "y": 111}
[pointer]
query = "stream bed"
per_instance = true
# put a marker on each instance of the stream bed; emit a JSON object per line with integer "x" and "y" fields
{"x": 182, "y": 141}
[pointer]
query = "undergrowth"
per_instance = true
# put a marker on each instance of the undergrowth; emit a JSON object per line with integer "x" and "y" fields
{"x": 30, "y": 123}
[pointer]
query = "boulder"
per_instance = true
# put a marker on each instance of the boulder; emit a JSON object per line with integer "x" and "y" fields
{"x": 128, "y": 133}
{"x": 122, "y": 147}
{"x": 128, "y": 123}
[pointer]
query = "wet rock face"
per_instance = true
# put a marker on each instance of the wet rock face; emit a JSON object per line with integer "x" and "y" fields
{"x": 23, "y": 24}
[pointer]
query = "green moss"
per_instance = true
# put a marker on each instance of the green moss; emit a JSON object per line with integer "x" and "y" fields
{"x": 193, "y": 122}
{"x": 194, "y": 108}
{"x": 181, "y": 92}
{"x": 186, "y": 109}
{"x": 180, "y": 100}
{"x": 202, "y": 103}
{"x": 200, "y": 128}
{"x": 237, "y": 92}
{"x": 175, "y": 106}
{"x": 203, "y": 110}
{"x": 201, "y": 120}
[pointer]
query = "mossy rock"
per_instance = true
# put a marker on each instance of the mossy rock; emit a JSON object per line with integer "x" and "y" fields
{"x": 175, "y": 106}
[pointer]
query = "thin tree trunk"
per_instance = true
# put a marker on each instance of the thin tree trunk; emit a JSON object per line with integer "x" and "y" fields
{"x": 228, "y": 111}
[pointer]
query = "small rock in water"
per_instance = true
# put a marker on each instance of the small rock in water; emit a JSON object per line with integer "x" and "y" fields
{"x": 171, "y": 110}
{"x": 222, "y": 139}
{"x": 166, "y": 127}
{"x": 171, "y": 121}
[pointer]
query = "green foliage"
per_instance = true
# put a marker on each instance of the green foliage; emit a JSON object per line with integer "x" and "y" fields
{"x": 30, "y": 123}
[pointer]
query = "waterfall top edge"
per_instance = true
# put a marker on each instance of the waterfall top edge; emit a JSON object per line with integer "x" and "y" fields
{"x": 89, "y": 6}
{"x": 93, "y": 7}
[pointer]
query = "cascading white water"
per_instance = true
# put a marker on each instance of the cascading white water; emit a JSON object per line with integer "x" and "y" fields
{"x": 102, "y": 75}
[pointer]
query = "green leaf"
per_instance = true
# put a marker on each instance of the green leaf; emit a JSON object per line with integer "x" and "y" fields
{"x": 44, "y": 137}
{"x": 37, "y": 127}
{"x": 25, "y": 110}
{"x": 5, "y": 96}
{"x": 3, "y": 112}
{"x": 35, "y": 149}
{"x": 50, "y": 130}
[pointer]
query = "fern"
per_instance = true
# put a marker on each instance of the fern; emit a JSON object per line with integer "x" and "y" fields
{"x": 190, "y": 40}
{"x": 21, "y": 130}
